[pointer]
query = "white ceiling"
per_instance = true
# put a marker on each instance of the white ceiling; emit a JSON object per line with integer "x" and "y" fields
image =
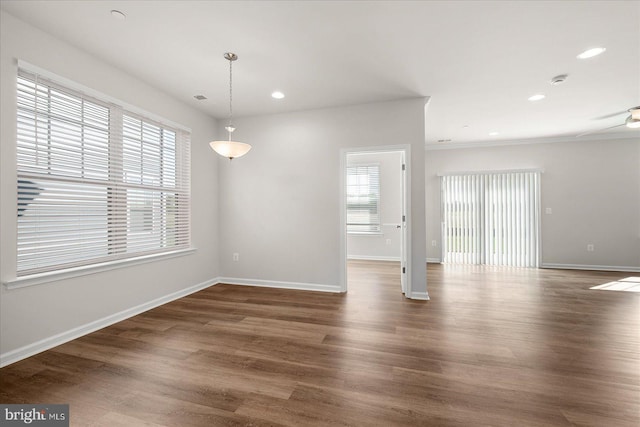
{"x": 479, "y": 61}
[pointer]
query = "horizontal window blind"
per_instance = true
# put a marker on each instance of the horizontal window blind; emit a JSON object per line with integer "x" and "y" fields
{"x": 96, "y": 183}
{"x": 491, "y": 219}
{"x": 363, "y": 199}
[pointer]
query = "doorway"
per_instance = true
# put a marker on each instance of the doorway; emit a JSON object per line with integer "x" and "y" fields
{"x": 374, "y": 206}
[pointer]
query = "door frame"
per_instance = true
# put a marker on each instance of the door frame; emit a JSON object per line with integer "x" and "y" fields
{"x": 405, "y": 262}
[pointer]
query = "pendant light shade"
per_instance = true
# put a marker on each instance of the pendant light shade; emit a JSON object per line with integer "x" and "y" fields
{"x": 230, "y": 149}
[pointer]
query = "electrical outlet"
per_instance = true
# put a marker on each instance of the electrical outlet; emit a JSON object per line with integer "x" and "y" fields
{"x": 236, "y": 256}
{"x": 434, "y": 243}
{"x": 590, "y": 247}
{"x": 388, "y": 241}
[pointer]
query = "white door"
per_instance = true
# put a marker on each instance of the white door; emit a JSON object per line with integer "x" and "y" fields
{"x": 403, "y": 226}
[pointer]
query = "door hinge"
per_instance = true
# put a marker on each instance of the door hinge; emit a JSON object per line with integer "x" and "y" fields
{"x": 404, "y": 218}
{"x": 404, "y": 167}
{"x": 404, "y": 270}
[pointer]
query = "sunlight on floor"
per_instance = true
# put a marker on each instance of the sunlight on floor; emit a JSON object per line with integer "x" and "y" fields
{"x": 630, "y": 284}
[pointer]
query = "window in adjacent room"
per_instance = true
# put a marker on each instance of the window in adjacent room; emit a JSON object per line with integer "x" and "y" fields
{"x": 96, "y": 182}
{"x": 363, "y": 199}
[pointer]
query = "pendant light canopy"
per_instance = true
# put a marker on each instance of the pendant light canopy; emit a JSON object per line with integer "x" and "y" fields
{"x": 230, "y": 149}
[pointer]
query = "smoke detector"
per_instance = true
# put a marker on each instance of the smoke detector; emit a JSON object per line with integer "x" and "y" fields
{"x": 557, "y": 80}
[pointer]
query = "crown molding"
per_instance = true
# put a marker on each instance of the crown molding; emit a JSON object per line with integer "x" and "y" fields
{"x": 528, "y": 141}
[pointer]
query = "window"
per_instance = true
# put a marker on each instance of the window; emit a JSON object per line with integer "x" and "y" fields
{"x": 363, "y": 199}
{"x": 96, "y": 182}
{"x": 491, "y": 219}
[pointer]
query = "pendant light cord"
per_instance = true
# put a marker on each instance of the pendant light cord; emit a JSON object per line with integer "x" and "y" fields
{"x": 230, "y": 96}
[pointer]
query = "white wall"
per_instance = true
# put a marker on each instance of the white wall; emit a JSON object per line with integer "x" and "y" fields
{"x": 592, "y": 187}
{"x": 35, "y": 313}
{"x": 386, "y": 244}
{"x": 280, "y": 204}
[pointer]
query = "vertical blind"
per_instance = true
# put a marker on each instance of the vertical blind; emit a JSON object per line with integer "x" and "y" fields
{"x": 491, "y": 219}
{"x": 363, "y": 199}
{"x": 96, "y": 183}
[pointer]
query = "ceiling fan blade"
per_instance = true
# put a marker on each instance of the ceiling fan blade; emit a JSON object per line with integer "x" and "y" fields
{"x": 598, "y": 130}
{"x": 608, "y": 116}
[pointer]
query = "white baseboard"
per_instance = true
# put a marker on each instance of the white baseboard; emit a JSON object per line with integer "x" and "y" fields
{"x": 277, "y": 284}
{"x": 374, "y": 258}
{"x": 434, "y": 260}
{"x": 591, "y": 267}
{"x": 420, "y": 296}
{"x": 61, "y": 338}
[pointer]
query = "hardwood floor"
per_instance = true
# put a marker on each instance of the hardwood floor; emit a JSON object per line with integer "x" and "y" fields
{"x": 494, "y": 346}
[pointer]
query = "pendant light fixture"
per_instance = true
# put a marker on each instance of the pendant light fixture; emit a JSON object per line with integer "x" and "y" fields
{"x": 230, "y": 149}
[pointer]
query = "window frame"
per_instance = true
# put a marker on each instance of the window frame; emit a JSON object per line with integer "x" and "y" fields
{"x": 375, "y": 227}
{"x": 118, "y": 110}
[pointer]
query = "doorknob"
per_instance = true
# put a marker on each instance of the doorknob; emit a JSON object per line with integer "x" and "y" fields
{"x": 398, "y": 226}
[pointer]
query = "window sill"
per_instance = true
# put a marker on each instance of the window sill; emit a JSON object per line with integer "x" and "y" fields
{"x": 54, "y": 276}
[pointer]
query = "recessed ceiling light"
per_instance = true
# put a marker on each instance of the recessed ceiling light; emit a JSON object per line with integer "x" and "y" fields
{"x": 536, "y": 97}
{"x": 465, "y": 127}
{"x": 118, "y": 15}
{"x": 277, "y": 95}
{"x": 494, "y": 133}
{"x": 590, "y": 53}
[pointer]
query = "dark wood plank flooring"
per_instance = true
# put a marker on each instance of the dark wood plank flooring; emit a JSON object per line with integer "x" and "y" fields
{"x": 494, "y": 346}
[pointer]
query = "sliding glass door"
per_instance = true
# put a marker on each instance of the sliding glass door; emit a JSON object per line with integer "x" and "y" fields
{"x": 491, "y": 218}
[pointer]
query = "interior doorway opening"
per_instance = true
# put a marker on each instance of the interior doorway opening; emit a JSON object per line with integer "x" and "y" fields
{"x": 374, "y": 216}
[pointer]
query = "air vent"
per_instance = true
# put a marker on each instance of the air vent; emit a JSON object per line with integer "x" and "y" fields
{"x": 557, "y": 80}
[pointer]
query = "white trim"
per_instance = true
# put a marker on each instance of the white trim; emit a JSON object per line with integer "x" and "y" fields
{"x": 434, "y": 260}
{"x": 374, "y": 258}
{"x": 528, "y": 141}
{"x": 423, "y": 296}
{"x": 54, "y": 276}
{"x": 591, "y": 267}
{"x": 342, "y": 228}
{"x": 96, "y": 94}
{"x": 280, "y": 285}
{"x": 61, "y": 338}
{"x": 492, "y": 172}
{"x": 538, "y": 212}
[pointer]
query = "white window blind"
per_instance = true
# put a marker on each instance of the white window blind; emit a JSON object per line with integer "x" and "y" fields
{"x": 363, "y": 199}
{"x": 491, "y": 219}
{"x": 96, "y": 183}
